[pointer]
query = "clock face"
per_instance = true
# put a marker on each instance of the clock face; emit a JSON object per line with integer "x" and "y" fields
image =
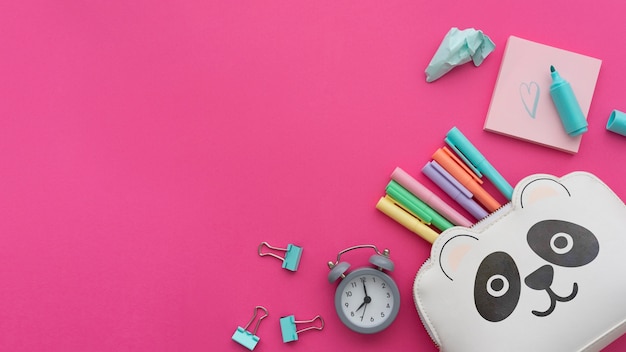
{"x": 367, "y": 300}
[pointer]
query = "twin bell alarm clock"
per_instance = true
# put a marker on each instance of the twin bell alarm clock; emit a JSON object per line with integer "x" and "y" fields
{"x": 367, "y": 300}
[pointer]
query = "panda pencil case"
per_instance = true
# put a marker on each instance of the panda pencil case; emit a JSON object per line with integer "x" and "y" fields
{"x": 543, "y": 273}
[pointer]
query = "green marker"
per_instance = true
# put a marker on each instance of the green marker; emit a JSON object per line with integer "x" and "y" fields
{"x": 416, "y": 206}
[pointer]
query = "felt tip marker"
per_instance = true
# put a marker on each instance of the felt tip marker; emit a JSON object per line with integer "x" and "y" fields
{"x": 476, "y": 161}
{"x": 465, "y": 176}
{"x": 425, "y": 195}
{"x": 566, "y": 105}
{"x": 388, "y": 206}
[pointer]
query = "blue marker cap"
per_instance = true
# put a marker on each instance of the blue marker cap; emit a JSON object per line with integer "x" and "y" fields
{"x": 566, "y": 105}
{"x": 617, "y": 122}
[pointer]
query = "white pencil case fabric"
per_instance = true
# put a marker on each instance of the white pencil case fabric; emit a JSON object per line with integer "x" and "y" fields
{"x": 546, "y": 272}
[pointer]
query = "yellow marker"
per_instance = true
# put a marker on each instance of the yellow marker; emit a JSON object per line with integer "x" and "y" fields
{"x": 390, "y": 207}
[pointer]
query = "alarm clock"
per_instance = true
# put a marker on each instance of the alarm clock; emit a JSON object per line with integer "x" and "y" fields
{"x": 367, "y": 300}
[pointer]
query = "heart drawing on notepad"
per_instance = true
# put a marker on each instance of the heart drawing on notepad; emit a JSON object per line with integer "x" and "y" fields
{"x": 529, "y": 92}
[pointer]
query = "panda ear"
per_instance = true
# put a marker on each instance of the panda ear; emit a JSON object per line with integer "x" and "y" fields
{"x": 453, "y": 251}
{"x": 542, "y": 188}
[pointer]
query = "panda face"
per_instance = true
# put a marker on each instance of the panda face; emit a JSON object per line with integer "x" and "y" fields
{"x": 544, "y": 273}
{"x": 497, "y": 286}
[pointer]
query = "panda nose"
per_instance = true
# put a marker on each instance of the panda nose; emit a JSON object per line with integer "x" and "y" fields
{"x": 541, "y": 278}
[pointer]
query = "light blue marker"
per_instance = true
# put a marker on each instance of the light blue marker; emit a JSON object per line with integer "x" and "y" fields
{"x": 566, "y": 105}
{"x": 476, "y": 161}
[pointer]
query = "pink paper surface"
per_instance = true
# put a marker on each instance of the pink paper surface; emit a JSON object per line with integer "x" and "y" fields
{"x": 148, "y": 147}
{"x": 521, "y": 105}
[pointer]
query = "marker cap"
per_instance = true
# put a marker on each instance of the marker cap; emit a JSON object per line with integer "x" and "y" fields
{"x": 617, "y": 122}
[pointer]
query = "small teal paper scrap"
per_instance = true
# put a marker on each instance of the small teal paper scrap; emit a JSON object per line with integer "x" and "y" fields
{"x": 457, "y": 48}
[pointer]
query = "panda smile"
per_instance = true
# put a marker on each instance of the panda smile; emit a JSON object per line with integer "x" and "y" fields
{"x": 554, "y": 298}
{"x": 541, "y": 279}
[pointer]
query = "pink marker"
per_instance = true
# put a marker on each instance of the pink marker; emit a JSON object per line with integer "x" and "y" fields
{"x": 428, "y": 197}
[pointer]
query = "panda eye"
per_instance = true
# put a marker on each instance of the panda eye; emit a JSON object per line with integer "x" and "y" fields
{"x": 561, "y": 243}
{"x": 497, "y": 285}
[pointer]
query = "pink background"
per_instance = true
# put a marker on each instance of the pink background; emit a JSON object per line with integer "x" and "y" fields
{"x": 148, "y": 147}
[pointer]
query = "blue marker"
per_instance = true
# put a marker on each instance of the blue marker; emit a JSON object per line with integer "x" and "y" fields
{"x": 476, "y": 161}
{"x": 567, "y": 106}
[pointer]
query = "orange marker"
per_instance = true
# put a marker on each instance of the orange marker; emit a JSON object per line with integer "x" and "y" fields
{"x": 466, "y": 177}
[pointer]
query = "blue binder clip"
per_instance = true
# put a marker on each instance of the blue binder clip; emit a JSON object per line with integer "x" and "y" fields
{"x": 292, "y": 255}
{"x": 288, "y": 327}
{"x": 246, "y": 338}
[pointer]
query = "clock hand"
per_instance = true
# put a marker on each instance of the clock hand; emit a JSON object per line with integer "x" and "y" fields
{"x": 364, "y": 308}
{"x": 363, "y": 305}
{"x": 367, "y": 299}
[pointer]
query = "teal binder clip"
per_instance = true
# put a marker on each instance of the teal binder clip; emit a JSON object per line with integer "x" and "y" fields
{"x": 292, "y": 255}
{"x": 246, "y": 338}
{"x": 288, "y": 327}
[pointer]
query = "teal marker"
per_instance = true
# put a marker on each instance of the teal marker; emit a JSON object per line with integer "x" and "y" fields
{"x": 567, "y": 106}
{"x": 476, "y": 161}
{"x": 416, "y": 206}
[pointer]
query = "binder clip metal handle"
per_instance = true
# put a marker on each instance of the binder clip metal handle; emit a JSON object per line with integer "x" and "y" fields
{"x": 246, "y": 338}
{"x": 288, "y": 327}
{"x": 292, "y": 255}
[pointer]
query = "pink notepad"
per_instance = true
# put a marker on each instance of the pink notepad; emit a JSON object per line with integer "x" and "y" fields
{"x": 521, "y": 106}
